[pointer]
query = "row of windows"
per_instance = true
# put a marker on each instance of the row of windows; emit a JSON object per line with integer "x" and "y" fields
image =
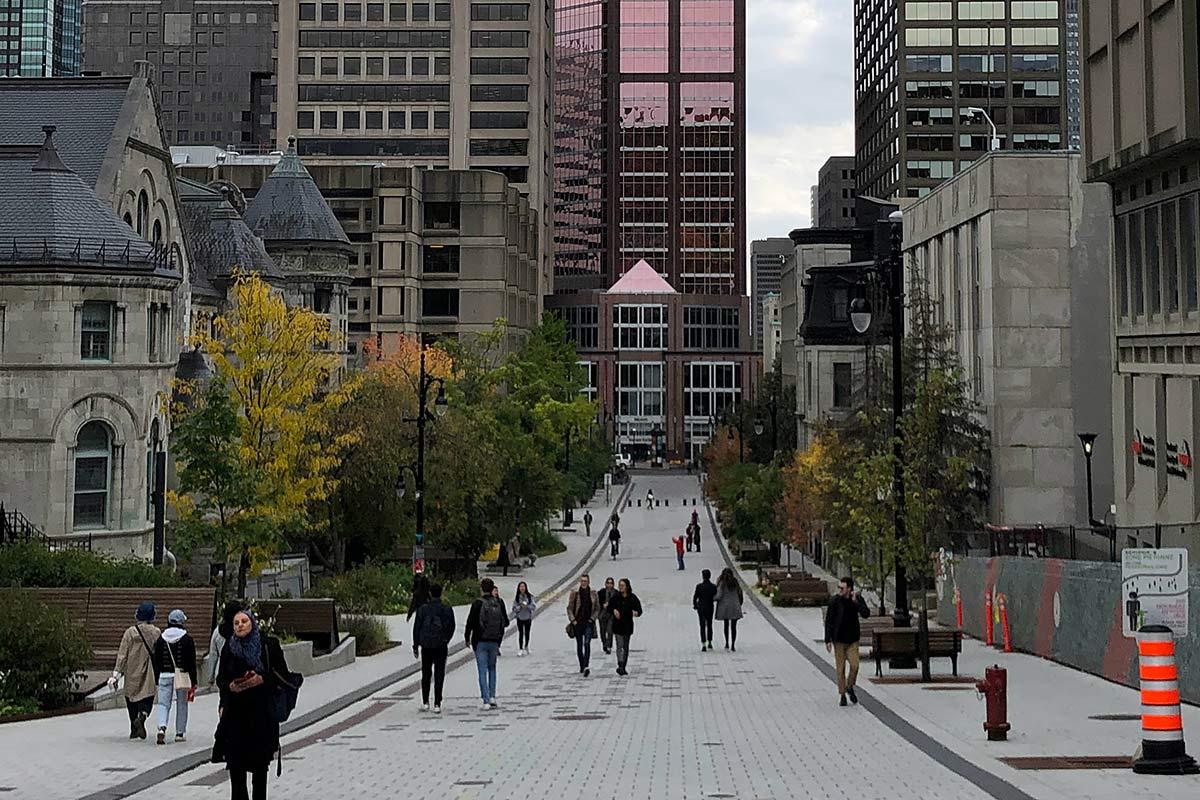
{"x": 499, "y": 119}
{"x": 371, "y": 120}
{"x": 500, "y": 93}
{"x": 500, "y": 38}
{"x": 202, "y": 18}
{"x": 365, "y": 147}
{"x": 1021, "y": 62}
{"x": 347, "y": 39}
{"x": 982, "y": 9}
{"x": 374, "y": 93}
{"x": 499, "y": 66}
{"x": 980, "y": 141}
{"x": 944, "y": 90}
{"x": 1156, "y": 260}
{"x": 644, "y": 327}
{"x": 98, "y": 324}
{"x": 352, "y": 66}
{"x": 353, "y": 12}
{"x": 1021, "y": 115}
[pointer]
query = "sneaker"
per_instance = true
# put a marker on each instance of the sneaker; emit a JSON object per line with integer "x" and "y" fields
{"x": 622, "y": 671}
{"x": 133, "y": 729}
{"x": 437, "y": 709}
{"x": 587, "y": 672}
{"x": 141, "y": 725}
{"x": 853, "y": 696}
{"x": 179, "y": 737}
{"x": 733, "y": 648}
{"x": 424, "y": 706}
{"x": 162, "y": 736}
{"x": 486, "y": 706}
{"x": 843, "y": 701}
{"x": 493, "y": 705}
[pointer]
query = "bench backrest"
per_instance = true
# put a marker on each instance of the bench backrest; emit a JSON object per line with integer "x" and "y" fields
{"x": 309, "y": 618}
{"x": 904, "y": 640}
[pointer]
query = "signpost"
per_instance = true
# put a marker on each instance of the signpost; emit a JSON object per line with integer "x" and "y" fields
{"x": 1154, "y": 589}
{"x": 607, "y": 487}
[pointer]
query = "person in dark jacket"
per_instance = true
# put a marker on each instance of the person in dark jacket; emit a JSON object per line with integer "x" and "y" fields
{"x": 174, "y": 654}
{"x": 625, "y": 607}
{"x": 484, "y": 631}
{"x": 703, "y": 600}
{"x": 614, "y": 540}
{"x": 583, "y": 609}
{"x": 729, "y": 601}
{"x": 220, "y": 635}
{"x": 605, "y": 597}
{"x": 247, "y": 737}
{"x": 842, "y": 632}
{"x": 420, "y": 596}
{"x": 432, "y": 633}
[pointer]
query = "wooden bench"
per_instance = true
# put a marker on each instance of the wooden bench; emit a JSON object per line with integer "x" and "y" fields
{"x": 892, "y": 642}
{"x": 313, "y": 619}
{"x": 809, "y": 591}
{"x": 105, "y": 614}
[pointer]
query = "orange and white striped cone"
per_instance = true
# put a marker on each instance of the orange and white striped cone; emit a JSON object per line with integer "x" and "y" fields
{"x": 958, "y": 607}
{"x": 1163, "y": 751}
{"x": 1005, "y": 631}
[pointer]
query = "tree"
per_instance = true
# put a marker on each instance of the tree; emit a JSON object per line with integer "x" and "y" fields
{"x": 808, "y": 489}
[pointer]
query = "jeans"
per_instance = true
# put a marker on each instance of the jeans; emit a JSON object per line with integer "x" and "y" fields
{"x": 680, "y": 557}
{"x": 523, "y": 626}
{"x": 843, "y": 654}
{"x": 622, "y": 651}
{"x": 689, "y": 544}
{"x": 583, "y": 645}
{"x": 706, "y": 619}
{"x": 485, "y": 662}
{"x": 731, "y": 632}
{"x": 615, "y": 547}
{"x": 167, "y": 692}
{"x": 606, "y": 634}
{"x": 433, "y": 665}
{"x": 237, "y": 784}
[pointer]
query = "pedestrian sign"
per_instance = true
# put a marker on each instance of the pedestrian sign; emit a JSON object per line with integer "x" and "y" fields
{"x": 1154, "y": 589}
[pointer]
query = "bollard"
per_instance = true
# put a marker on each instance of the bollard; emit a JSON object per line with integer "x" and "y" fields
{"x": 667, "y": 502}
{"x": 1004, "y": 629}
{"x": 639, "y": 503}
{"x": 987, "y": 617}
{"x": 629, "y": 504}
{"x": 958, "y": 608}
{"x": 1163, "y": 751}
{"x": 693, "y": 501}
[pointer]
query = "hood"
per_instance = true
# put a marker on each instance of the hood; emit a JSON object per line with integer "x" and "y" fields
{"x": 173, "y": 635}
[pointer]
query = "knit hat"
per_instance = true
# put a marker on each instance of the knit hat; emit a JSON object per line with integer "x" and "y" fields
{"x": 145, "y": 611}
{"x": 177, "y": 617}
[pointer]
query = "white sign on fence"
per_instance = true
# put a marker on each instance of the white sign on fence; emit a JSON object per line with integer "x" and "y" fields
{"x": 1154, "y": 589}
{"x": 607, "y": 479}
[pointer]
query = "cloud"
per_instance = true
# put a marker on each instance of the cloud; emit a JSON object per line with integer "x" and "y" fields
{"x": 781, "y": 167}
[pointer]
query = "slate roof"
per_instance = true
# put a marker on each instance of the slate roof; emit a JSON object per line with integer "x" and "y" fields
{"x": 641, "y": 279}
{"x": 289, "y": 206}
{"x": 53, "y": 219}
{"x": 85, "y": 111}
{"x": 219, "y": 240}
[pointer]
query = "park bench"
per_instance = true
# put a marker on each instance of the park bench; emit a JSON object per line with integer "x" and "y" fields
{"x": 313, "y": 619}
{"x": 751, "y": 552}
{"x": 105, "y": 613}
{"x": 893, "y": 642}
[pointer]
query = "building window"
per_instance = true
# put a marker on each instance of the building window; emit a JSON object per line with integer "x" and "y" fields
{"x": 500, "y": 93}
{"x": 375, "y": 12}
{"x": 499, "y": 66}
{"x": 500, "y": 12}
{"x": 420, "y": 12}
{"x": 583, "y": 325}
{"x": 350, "y": 120}
{"x": 304, "y": 119}
{"x": 590, "y": 379}
{"x": 374, "y": 121}
{"x": 93, "y": 460}
{"x": 420, "y": 120}
{"x": 439, "y": 302}
{"x": 143, "y": 214}
{"x": 710, "y": 328}
{"x": 710, "y": 389}
{"x": 442, "y": 216}
{"x": 842, "y": 389}
{"x": 352, "y": 12}
{"x": 640, "y": 390}
{"x": 499, "y": 119}
{"x": 640, "y": 327}
{"x": 440, "y": 259}
{"x": 500, "y": 39}
{"x": 397, "y": 12}
{"x": 329, "y": 12}
{"x": 95, "y": 342}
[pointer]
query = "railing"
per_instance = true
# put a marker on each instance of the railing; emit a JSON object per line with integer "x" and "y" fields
{"x": 1100, "y": 543}
{"x": 35, "y": 250}
{"x": 15, "y": 528}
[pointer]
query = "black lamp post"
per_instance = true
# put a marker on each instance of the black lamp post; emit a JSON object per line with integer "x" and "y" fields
{"x": 425, "y": 382}
{"x": 1088, "y": 440}
{"x": 159, "y": 496}
{"x": 568, "y": 518}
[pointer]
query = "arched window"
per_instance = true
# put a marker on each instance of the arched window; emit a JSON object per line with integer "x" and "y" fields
{"x": 93, "y": 468}
{"x": 143, "y": 214}
{"x": 157, "y": 238}
{"x": 128, "y": 219}
{"x": 152, "y": 444}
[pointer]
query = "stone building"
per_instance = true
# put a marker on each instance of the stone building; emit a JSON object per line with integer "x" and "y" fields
{"x": 772, "y": 335}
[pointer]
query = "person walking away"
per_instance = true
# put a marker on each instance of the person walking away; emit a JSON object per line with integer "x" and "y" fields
{"x": 688, "y": 536}
{"x": 420, "y": 596}
{"x": 587, "y": 522}
{"x": 247, "y": 738}
{"x": 175, "y": 672}
{"x": 135, "y": 660}
{"x": 703, "y": 600}
{"x": 729, "y": 606}
{"x": 484, "y": 631}
{"x": 842, "y": 632}
{"x": 650, "y": 499}
{"x": 523, "y": 607}
{"x": 696, "y": 533}
{"x": 695, "y": 517}
{"x": 605, "y": 597}
{"x": 614, "y": 541}
{"x": 502, "y": 559}
{"x": 678, "y": 542}
{"x": 432, "y": 633}
{"x": 582, "y": 610}
{"x": 626, "y": 608}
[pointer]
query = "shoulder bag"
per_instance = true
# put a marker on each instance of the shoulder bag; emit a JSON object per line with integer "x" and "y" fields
{"x": 182, "y": 679}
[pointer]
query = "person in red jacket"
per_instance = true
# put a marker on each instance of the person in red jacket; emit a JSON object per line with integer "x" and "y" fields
{"x": 678, "y": 541}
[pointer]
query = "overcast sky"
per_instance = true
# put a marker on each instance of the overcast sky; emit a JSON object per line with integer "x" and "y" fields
{"x": 800, "y": 102}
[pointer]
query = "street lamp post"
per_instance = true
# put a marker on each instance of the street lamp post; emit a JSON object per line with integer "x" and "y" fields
{"x": 567, "y": 516}
{"x": 1088, "y": 440}
{"x": 995, "y": 142}
{"x": 160, "y": 503}
{"x": 425, "y": 382}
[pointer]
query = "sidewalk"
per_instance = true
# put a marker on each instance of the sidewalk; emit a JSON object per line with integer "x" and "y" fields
{"x": 1051, "y": 708}
{"x": 86, "y": 755}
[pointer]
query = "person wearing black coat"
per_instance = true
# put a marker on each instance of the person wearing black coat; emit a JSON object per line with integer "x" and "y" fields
{"x": 247, "y": 737}
{"x": 174, "y": 651}
{"x": 625, "y": 607}
{"x": 842, "y": 632}
{"x": 432, "y": 633}
{"x": 704, "y": 601}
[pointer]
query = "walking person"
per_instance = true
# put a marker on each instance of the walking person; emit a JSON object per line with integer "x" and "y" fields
{"x": 842, "y": 632}
{"x": 587, "y": 522}
{"x": 688, "y": 535}
{"x": 696, "y": 533}
{"x": 135, "y": 660}
{"x": 678, "y": 542}
{"x": 729, "y": 606}
{"x": 605, "y": 597}
{"x": 650, "y": 499}
{"x": 247, "y": 737}
{"x": 626, "y": 608}
{"x": 614, "y": 541}
{"x": 175, "y": 672}
{"x": 582, "y": 610}
{"x": 484, "y": 631}
{"x": 502, "y": 559}
{"x": 704, "y": 601}
{"x": 420, "y": 596}
{"x": 432, "y": 633}
{"x": 523, "y": 607}
{"x": 220, "y": 635}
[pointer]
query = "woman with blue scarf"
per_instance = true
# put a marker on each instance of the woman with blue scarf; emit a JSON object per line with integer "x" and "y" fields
{"x": 247, "y": 737}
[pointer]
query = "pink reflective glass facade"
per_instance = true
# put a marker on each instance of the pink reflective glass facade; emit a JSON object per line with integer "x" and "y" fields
{"x": 709, "y": 214}
{"x": 645, "y": 35}
{"x": 706, "y": 40}
{"x": 643, "y": 219}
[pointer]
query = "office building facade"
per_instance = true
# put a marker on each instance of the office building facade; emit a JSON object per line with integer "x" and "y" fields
{"x": 39, "y": 38}
{"x": 213, "y": 62}
{"x": 766, "y": 266}
{"x": 772, "y": 338}
{"x": 1142, "y": 137}
{"x": 835, "y": 193}
{"x": 671, "y": 193}
{"x": 926, "y": 73}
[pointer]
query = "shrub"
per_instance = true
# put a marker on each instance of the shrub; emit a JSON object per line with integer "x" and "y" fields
{"x": 34, "y": 565}
{"x": 369, "y": 589}
{"x": 370, "y": 633}
{"x": 42, "y": 653}
{"x": 462, "y": 592}
{"x": 545, "y": 543}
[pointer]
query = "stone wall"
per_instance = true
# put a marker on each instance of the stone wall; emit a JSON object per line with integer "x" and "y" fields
{"x": 1066, "y": 611}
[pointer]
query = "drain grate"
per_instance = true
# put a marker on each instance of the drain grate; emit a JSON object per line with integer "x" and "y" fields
{"x": 472, "y": 783}
{"x": 1117, "y": 717}
{"x": 948, "y": 688}
{"x": 892, "y": 680}
{"x": 119, "y": 769}
{"x": 1068, "y": 762}
{"x": 579, "y": 717}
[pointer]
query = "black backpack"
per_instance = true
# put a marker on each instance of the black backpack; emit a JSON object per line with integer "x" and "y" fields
{"x": 491, "y": 620}
{"x": 286, "y": 692}
{"x": 434, "y": 632}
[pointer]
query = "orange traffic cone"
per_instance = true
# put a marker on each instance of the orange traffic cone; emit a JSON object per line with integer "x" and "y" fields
{"x": 1163, "y": 751}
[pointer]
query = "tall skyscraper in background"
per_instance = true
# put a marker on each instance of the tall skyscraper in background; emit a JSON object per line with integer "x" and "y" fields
{"x": 39, "y": 38}
{"x": 650, "y": 154}
{"x": 835, "y": 193}
{"x": 766, "y": 267}
{"x": 921, "y": 67}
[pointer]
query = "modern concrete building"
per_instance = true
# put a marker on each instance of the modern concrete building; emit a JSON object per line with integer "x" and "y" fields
{"x": 438, "y": 252}
{"x": 39, "y": 38}
{"x": 925, "y": 73}
{"x": 835, "y": 193}
{"x": 766, "y": 266}
{"x": 773, "y": 334}
{"x": 1142, "y": 137}
{"x": 448, "y": 85}
{"x": 1014, "y": 253}
{"x": 213, "y": 58}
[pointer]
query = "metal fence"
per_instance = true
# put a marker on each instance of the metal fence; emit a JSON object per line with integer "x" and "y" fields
{"x": 1100, "y": 543}
{"x": 15, "y": 528}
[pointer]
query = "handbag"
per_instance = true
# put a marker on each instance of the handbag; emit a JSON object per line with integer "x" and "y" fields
{"x": 285, "y": 693}
{"x": 570, "y": 630}
{"x": 182, "y": 679}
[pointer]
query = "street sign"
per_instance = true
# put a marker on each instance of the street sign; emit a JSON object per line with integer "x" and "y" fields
{"x": 607, "y": 479}
{"x": 1154, "y": 589}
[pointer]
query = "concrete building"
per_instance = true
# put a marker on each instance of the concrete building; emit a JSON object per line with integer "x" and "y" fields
{"x": 766, "y": 266}
{"x": 449, "y": 85}
{"x": 1013, "y": 253}
{"x": 922, "y": 68}
{"x": 773, "y": 333}
{"x": 1142, "y": 137}
{"x": 213, "y": 59}
{"x": 39, "y": 38}
{"x": 437, "y": 252}
{"x": 835, "y": 193}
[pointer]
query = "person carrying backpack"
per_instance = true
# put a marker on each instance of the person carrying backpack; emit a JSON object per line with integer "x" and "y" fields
{"x": 175, "y": 671}
{"x": 432, "y": 633}
{"x": 614, "y": 541}
{"x": 484, "y": 631}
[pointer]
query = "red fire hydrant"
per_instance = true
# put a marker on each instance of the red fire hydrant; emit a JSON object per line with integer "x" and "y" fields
{"x": 994, "y": 688}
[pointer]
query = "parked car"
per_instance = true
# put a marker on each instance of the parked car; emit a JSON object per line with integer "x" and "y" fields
{"x": 623, "y": 460}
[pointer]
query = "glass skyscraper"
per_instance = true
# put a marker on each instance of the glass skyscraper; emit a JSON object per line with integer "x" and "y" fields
{"x": 39, "y": 38}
